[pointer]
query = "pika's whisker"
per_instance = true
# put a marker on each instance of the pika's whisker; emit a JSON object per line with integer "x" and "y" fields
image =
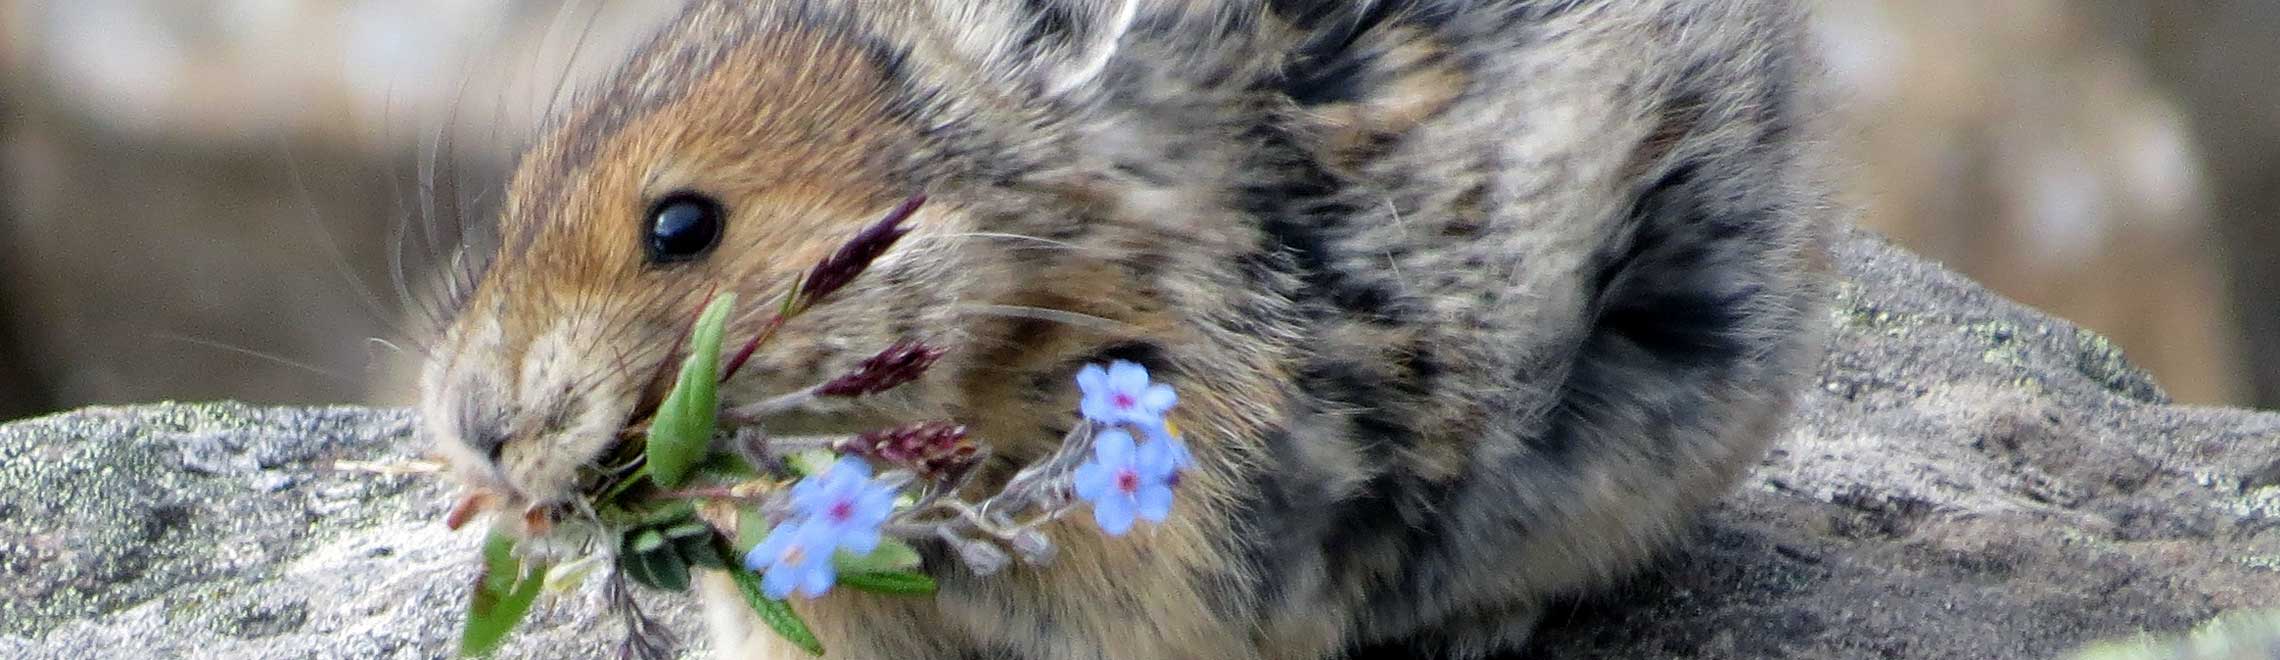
{"x": 272, "y": 358}
{"x": 1061, "y": 316}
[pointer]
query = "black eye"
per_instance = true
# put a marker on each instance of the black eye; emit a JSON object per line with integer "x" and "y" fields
{"x": 683, "y": 226}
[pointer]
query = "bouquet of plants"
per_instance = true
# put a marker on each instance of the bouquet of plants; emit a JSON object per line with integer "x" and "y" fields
{"x": 701, "y": 485}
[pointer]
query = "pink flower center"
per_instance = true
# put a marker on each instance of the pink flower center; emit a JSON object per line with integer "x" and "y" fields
{"x": 1128, "y": 480}
{"x": 1122, "y": 400}
{"x": 840, "y": 511}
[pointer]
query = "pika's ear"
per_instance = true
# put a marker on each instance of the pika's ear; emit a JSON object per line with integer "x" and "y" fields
{"x": 1054, "y": 46}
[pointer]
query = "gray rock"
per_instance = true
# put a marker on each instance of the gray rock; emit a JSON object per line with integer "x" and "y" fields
{"x": 1971, "y": 479}
{"x": 223, "y": 530}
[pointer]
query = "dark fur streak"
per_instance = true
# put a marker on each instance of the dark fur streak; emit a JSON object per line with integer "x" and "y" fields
{"x": 1280, "y": 509}
{"x": 1053, "y": 26}
{"x": 1143, "y": 353}
{"x": 1301, "y": 217}
{"x": 1327, "y": 68}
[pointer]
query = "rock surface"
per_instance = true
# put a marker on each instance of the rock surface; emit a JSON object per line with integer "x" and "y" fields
{"x": 1971, "y": 479}
{"x": 228, "y": 531}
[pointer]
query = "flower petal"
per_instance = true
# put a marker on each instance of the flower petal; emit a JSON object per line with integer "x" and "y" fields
{"x": 875, "y": 505}
{"x": 817, "y": 578}
{"x": 765, "y": 553}
{"x": 851, "y": 469}
{"x": 1097, "y": 408}
{"x": 1155, "y": 460}
{"x": 777, "y": 582}
{"x": 1092, "y": 379}
{"x": 1114, "y": 513}
{"x": 1113, "y": 447}
{"x": 1091, "y": 480}
{"x": 1127, "y": 377}
{"x": 860, "y": 541}
{"x": 1155, "y": 502}
{"x": 1159, "y": 398}
{"x": 805, "y": 494}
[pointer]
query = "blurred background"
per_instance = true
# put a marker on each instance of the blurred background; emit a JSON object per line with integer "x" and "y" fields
{"x": 205, "y": 199}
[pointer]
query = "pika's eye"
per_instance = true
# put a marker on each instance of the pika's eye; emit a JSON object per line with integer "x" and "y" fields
{"x": 683, "y": 226}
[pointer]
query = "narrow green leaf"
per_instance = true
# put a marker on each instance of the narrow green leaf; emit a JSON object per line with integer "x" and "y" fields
{"x": 892, "y": 555}
{"x": 682, "y": 432}
{"x": 896, "y": 583}
{"x": 503, "y": 595}
{"x": 777, "y": 614}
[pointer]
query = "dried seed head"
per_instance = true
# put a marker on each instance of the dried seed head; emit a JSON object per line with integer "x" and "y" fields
{"x": 933, "y": 450}
{"x": 857, "y": 253}
{"x": 901, "y": 363}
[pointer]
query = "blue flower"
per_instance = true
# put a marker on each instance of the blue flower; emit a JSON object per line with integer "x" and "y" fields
{"x": 1169, "y": 435}
{"x": 1122, "y": 394}
{"x": 845, "y": 503}
{"x": 1126, "y": 480}
{"x": 839, "y": 509}
{"x": 793, "y": 557}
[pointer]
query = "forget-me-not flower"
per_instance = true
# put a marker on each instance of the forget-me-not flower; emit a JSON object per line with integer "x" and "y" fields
{"x": 846, "y": 503}
{"x": 838, "y": 509}
{"x": 1122, "y": 394}
{"x": 1125, "y": 480}
{"x": 793, "y": 556}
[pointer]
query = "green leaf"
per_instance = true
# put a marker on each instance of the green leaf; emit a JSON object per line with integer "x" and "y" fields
{"x": 503, "y": 595}
{"x": 672, "y": 512}
{"x": 647, "y": 541}
{"x": 699, "y": 552}
{"x": 777, "y": 614}
{"x": 811, "y": 462}
{"x": 891, "y": 556}
{"x": 751, "y": 529}
{"x": 650, "y": 559}
{"x": 896, "y": 583}
{"x": 667, "y": 570}
{"x": 681, "y": 434}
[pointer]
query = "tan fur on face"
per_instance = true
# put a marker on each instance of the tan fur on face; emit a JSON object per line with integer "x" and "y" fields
{"x": 585, "y": 322}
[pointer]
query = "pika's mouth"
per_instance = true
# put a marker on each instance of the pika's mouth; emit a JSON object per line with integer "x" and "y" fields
{"x": 611, "y": 468}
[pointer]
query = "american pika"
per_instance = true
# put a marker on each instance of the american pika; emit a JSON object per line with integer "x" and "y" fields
{"x": 1470, "y": 303}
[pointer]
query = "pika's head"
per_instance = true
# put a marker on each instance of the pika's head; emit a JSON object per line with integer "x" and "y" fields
{"x": 733, "y": 153}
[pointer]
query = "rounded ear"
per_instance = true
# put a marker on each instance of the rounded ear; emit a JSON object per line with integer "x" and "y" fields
{"x": 1055, "y": 46}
